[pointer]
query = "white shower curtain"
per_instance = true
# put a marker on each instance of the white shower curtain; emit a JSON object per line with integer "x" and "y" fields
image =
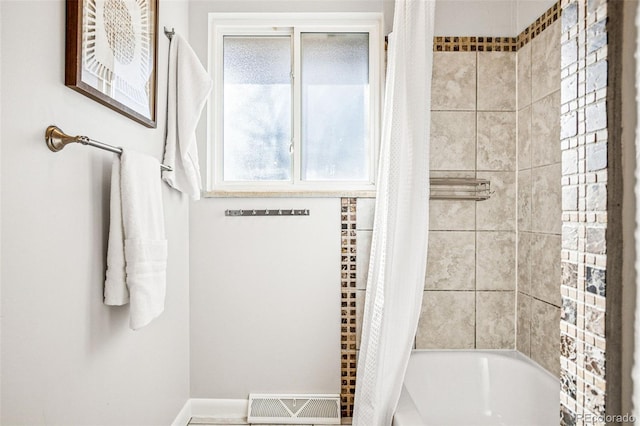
{"x": 399, "y": 246}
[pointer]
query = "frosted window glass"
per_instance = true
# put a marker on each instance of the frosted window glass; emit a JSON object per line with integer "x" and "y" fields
{"x": 335, "y": 106}
{"x": 257, "y": 108}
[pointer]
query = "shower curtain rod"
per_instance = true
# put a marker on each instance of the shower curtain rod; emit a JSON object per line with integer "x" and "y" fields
{"x": 57, "y": 139}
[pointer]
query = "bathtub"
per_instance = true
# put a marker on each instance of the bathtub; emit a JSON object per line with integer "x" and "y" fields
{"x": 469, "y": 388}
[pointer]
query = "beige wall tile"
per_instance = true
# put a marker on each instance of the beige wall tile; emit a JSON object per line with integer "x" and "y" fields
{"x": 453, "y": 140}
{"x": 545, "y": 131}
{"x": 524, "y": 262}
{"x": 365, "y": 210}
{"x": 524, "y": 76}
{"x": 496, "y": 141}
{"x": 360, "y": 300}
{"x": 545, "y": 62}
{"x": 363, "y": 251}
{"x": 546, "y": 199}
{"x": 546, "y": 272}
{"x": 524, "y": 200}
{"x": 452, "y": 215}
{"x": 498, "y": 213}
{"x": 496, "y": 260}
{"x": 524, "y": 138}
{"x": 461, "y": 260}
{"x": 523, "y": 329}
{"x": 453, "y": 84}
{"x": 447, "y": 320}
{"x": 545, "y": 335}
{"x": 451, "y": 260}
{"x": 496, "y": 81}
{"x": 455, "y": 146}
{"x": 495, "y": 319}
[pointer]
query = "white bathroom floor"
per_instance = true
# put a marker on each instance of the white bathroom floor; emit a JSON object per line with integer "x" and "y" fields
{"x": 200, "y": 421}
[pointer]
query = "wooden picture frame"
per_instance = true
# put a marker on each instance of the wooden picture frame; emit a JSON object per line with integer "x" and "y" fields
{"x": 111, "y": 54}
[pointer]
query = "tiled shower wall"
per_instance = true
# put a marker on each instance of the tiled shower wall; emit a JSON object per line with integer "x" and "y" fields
{"x": 591, "y": 212}
{"x": 495, "y": 115}
{"x": 470, "y": 283}
{"x": 469, "y": 299}
{"x": 539, "y": 199}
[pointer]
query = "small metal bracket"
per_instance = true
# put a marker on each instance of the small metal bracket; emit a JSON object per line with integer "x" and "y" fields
{"x": 267, "y": 212}
{"x": 169, "y": 33}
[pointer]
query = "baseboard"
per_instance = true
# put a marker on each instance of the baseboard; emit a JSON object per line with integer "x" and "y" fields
{"x": 211, "y": 408}
{"x": 183, "y": 417}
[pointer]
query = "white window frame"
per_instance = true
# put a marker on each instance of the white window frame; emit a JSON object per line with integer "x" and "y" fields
{"x": 221, "y": 24}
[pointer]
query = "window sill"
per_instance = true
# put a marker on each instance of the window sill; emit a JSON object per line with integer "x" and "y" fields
{"x": 289, "y": 194}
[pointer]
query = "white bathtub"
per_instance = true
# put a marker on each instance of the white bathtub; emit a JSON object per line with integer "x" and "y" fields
{"x": 469, "y": 388}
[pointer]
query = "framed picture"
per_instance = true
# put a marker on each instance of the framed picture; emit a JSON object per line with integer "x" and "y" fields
{"x": 111, "y": 54}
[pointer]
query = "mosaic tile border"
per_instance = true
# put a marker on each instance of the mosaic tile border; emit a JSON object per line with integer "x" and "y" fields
{"x": 348, "y": 352}
{"x": 475, "y": 44}
{"x": 586, "y": 165}
{"x": 499, "y": 44}
{"x": 545, "y": 20}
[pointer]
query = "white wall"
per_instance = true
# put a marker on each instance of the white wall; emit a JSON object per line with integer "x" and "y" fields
{"x": 496, "y": 18}
{"x": 265, "y": 292}
{"x": 475, "y": 18}
{"x": 67, "y": 358}
{"x": 527, "y": 11}
{"x": 265, "y": 299}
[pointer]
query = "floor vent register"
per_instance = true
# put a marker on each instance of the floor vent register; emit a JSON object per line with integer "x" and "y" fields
{"x": 294, "y": 409}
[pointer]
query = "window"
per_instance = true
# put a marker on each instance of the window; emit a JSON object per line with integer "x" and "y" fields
{"x": 295, "y": 106}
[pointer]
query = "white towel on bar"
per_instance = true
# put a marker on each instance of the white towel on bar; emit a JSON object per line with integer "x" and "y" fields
{"x": 115, "y": 285}
{"x": 189, "y": 87}
{"x": 137, "y": 252}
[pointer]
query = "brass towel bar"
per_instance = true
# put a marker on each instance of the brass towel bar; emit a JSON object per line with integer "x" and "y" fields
{"x": 57, "y": 139}
{"x": 441, "y": 188}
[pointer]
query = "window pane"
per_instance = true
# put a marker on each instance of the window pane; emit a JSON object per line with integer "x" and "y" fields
{"x": 335, "y": 106}
{"x": 257, "y": 108}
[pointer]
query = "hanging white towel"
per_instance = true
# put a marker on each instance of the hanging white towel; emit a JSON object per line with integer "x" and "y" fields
{"x": 137, "y": 252}
{"x": 115, "y": 287}
{"x": 189, "y": 87}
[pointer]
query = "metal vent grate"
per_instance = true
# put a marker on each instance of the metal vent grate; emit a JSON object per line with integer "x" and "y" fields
{"x": 294, "y": 409}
